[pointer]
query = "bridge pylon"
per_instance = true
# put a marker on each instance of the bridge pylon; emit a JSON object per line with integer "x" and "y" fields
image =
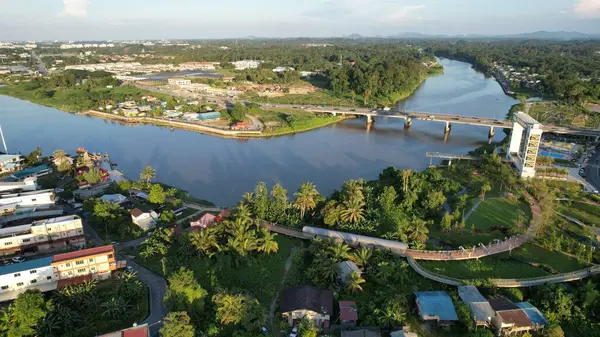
{"x": 448, "y": 127}
{"x": 407, "y": 122}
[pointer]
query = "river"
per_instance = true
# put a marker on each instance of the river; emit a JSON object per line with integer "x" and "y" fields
{"x": 221, "y": 170}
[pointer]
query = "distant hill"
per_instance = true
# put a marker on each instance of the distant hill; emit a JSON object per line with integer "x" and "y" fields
{"x": 540, "y": 35}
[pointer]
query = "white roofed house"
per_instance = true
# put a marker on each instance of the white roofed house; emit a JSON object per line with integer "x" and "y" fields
{"x": 114, "y": 198}
{"x": 144, "y": 219}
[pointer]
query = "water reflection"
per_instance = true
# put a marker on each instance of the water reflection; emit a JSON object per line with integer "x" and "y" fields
{"x": 221, "y": 170}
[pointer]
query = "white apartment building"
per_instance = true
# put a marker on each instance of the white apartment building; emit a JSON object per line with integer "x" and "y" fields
{"x": 43, "y": 235}
{"x": 28, "y": 184}
{"x": 246, "y": 64}
{"x": 28, "y": 199}
{"x": 179, "y": 81}
{"x": 20, "y": 277}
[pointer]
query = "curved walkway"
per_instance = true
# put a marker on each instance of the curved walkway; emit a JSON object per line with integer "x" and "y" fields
{"x": 484, "y": 250}
{"x": 509, "y": 283}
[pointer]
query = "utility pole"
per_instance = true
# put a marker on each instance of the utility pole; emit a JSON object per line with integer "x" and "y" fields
{"x": 3, "y": 141}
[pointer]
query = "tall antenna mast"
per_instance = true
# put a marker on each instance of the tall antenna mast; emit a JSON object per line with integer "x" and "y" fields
{"x": 3, "y": 141}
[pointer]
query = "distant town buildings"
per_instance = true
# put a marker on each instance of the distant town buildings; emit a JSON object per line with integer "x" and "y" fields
{"x": 179, "y": 81}
{"x": 86, "y": 45}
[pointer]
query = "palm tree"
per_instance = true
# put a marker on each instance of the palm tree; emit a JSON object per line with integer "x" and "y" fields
{"x": 205, "y": 242}
{"x": 306, "y": 198}
{"x": 115, "y": 307}
{"x": 405, "y": 178}
{"x": 353, "y": 211}
{"x": 267, "y": 243}
{"x": 354, "y": 282}
{"x": 362, "y": 256}
{"x": 339, "y": 251}
{"x": 418, "y": 231}
{"x": 147, "y": 174}
{"x": 484, "y": 189}
{"x": 248, "y": 196}
{"x": 353, "y": 189}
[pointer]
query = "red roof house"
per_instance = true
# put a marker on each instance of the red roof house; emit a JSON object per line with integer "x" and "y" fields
{"x": 348, "y": 313}
{"x": 205, "y": 221}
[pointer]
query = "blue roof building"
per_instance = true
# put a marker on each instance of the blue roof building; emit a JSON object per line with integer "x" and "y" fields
{"x": 209, "y": 115}
{"x": 36, "y": 171}
{"x": 535, "y": 315}
{"x": 24, "y": 266}
{"x": 436, "y": 306}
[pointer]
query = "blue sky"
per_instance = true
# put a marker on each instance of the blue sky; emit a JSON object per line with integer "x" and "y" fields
{"x": 171, "y": 19}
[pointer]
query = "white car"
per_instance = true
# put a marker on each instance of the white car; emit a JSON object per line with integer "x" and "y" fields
{"x": 17, "y": 259}
{"x": 294, "y": 332}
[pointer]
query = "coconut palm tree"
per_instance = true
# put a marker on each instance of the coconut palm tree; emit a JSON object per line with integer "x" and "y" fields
{"x": 205, "y": 242}
{"x": 306, "y": 198}
{"x": 248, "y": 196}
{"x": 339, "y": 251}
{"x": 418, "y": 230}
{"x": 362, "y": 256}
{"x": 267, "y": 243}
{"x": 353, "y": 210}
{"x": 353, "y": 283}
{"x": 147, "y": 174}
{"x": 405, "y": 179}
{"x": 353, "y": 190}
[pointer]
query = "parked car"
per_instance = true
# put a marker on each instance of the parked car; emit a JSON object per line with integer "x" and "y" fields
{"x": 264, "y": 331}
{"x": 17, "y": 259}
{"x": 294, "y": 332}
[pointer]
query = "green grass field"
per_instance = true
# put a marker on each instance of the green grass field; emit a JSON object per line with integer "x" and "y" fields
{"x": 498, "y": 213}
{"x": 589, "y": 214}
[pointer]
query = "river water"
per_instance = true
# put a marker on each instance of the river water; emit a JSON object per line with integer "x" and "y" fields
{"x": 221, "y": 170}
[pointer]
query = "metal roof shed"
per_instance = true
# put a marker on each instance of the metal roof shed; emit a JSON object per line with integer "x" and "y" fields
{"x": 480, "y": 307}
{"x": 435, "y": 305}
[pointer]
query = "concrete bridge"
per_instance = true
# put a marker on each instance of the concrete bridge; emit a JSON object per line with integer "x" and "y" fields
{"x": 447, "y": 119}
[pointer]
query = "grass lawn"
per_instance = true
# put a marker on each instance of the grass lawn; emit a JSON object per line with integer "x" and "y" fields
{"x": 497, "y": 214}
{"x": 552, "y": 261}
{"x": 490, "y": 267}
{"x": 589, "y": 214}
{"x": 563, "y": 114}
{"x": 259, "y": 276}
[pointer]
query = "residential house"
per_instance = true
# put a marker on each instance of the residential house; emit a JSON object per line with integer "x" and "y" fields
{"x": 204, "y": 221}
{"x": 36, "y": 171}
{"x": 360, "y": 333}
{"x": 190, "y": 116}
{"x": 10, "y": 162}
{"x": 130, "y": 112}
{"x": 346, "y": 270}
{"x": 348, "y": 313}
{"x": 114, "y": 198}
{"x": 42, "y": 236}
{"x": 307, "y": 302}
{"x": 224, "y": 214}
{"x": 509, "y": 319}
{"x": 436, "y": 306}
{"x": 136, "y": 331}
{"x": 240, "y": 126}
{"x": 534, "y": 314}
{"x": 481, "y": 310}
{"x": 145, "y": 219}
{"x": 29, "y": 275}
{"x": 64, "y": 159}
{"x": 82, "y": 265}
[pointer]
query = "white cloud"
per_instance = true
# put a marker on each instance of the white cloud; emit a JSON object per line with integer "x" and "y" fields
{"x": 75, "y": 8}
{"x": 588, "y": 8}
{"x": 404, "y": 11}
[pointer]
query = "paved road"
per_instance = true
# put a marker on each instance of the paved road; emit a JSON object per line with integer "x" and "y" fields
{"x": 157, "y": 286}
{"x": 592, "y": 171}
{"x": 40, "y": 65}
